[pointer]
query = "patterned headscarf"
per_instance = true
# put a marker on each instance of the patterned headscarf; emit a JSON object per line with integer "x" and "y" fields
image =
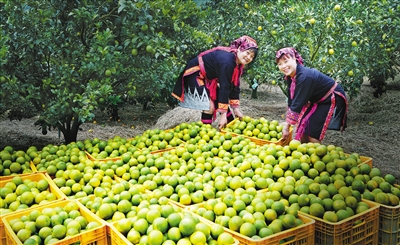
{"x": 290, "y": 51}
{"x": 244, "y": 43}
{"x": 293, "y": 53}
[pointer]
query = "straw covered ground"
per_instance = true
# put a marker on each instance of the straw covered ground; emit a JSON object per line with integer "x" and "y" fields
{"x": 373, "y": 125}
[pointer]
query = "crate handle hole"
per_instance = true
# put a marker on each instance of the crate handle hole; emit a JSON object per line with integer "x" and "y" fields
{"x": 359, "y": 222}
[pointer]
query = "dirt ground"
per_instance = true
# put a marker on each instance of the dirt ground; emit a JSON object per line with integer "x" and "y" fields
{"x": 373, "y": 126}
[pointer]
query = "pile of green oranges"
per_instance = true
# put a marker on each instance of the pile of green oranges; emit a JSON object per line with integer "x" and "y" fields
{"x": 120, "y": 201}
{"x": 20, "y": 193}
{"x": 151, "y": 139}
{"x": 148, "y": 219}
{"x": 157, "y": 224}
{"x": 76, "y": 183}
{"x": 223, "y": 177}
{"x": 14, "y": 162}
{"x": 261, "y": 128}
{"x": 52, "y": 158}
{"x": 254, "y": 214}
{"x": 51, "y": 224}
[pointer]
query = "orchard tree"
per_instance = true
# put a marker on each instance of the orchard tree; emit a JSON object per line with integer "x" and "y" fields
{"x": 381, "y": 44}
{"x": 348, "y": 40}
{"x": 161, "y": 36}
{"x": 58, "y": 62}
{"x": 63, "y": 60}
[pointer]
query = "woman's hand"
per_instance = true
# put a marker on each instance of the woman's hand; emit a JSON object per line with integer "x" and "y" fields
{"x": 223, "y": 121}
{"x": 238, "y": 113}
{"x": 285, "y": 131}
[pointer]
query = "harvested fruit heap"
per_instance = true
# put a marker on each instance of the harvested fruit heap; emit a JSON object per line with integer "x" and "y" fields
{"x": 225, "y": 178}
{"x": 261, "y": 128}
{"x": 52, "y": 223}
{"x": 23, "y": 192}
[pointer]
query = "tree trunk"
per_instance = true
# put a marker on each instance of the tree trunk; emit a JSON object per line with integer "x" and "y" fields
{"x": 114, "y": 113}
{"x": 70, "y": 137}
{"x": 70, "y": 133}
{"x": 254, "y": 93}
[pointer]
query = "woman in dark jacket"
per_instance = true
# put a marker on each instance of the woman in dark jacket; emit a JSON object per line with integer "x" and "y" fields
{"x": 316, "y": 102}
{"x": 211, "y": 81}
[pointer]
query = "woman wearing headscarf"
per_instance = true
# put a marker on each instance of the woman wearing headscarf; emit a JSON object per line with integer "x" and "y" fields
{"x": 211, "y": 81}
{"x": 316, "y": 102}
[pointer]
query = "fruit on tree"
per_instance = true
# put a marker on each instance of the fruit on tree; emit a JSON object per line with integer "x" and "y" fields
{"x": 337, "y": 7}
{"x": 144, "y": 27}
{"x": 149, "y": 49}
{"x": 350, "y": 73}
{"x": 312, "y": 21}
{"x": 331, "y": 51}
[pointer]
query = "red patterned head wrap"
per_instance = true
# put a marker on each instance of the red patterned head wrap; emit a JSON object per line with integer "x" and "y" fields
{"x": 244, "y": 43}
{"x": 290, "y": 51}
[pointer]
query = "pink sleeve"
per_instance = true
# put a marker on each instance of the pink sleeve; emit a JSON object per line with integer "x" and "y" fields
{"x": 291, "y": 117}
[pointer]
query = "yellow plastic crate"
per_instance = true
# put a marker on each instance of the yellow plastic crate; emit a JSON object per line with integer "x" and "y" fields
{"x": 117, "y": 238}
{"x": 358, "y": 229}
{"x": 389, "y": 224}
{"x": 108, "y": 225}
{"x": 108, "y": 233}
{"x": 9, "y": 177}
{"x": 34, "y": 177}
{"x": 364, "y": 159}
{"x": 367, "y": 160}
{"x": 3, "y": 239}
{"x": 95, "y": 236}
{"x": 257, "y": 140}
{"x": 180, "y": 205}
{"x": 37, "y": 177}
{"x": 91, "y": 157}
{"x": 300, "y": 235}
{"x": 163, "y": 150}
{"x": 34, "y": 169}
